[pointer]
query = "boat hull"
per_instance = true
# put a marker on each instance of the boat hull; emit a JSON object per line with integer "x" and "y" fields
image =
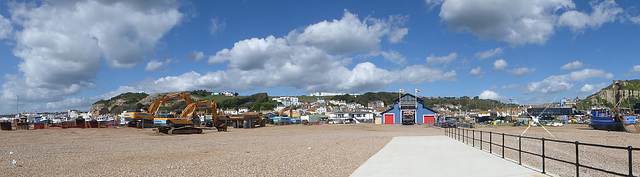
{"x": 606, "y": 123}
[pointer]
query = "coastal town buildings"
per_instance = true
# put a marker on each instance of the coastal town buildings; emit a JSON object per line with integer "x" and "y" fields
{"x": 409, "y": 109}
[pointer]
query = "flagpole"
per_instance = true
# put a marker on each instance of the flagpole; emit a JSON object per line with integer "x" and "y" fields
{"x": 415, "y": 114}
{"x": 399, "y": 105}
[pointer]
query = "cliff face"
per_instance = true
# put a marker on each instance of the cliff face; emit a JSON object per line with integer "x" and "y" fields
{"x": 133, "y": 101}
{"x": 628, "y": 90}
{"x": 117, "y": 104}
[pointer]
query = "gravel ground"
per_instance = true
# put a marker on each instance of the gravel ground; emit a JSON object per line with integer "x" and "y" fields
{"x": 294, "y": 150}
{"x": 604, "y": 158}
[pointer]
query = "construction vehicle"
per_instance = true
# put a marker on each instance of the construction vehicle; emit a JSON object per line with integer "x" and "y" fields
{"x": 280, "y": 120}
{"x": 169, "y": 99}
{"x": 149, "y": 114}
{"x": 245, "y": 120}
{"x": 185, "y": 123}
{"x": 139, "y": 119}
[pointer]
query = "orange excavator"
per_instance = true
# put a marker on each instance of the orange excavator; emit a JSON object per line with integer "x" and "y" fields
{"x": 290, "y": 108}
{"x": 185, "y": 123}
{"x": 146, "y": 118}
{"x": 153, "y": 109}
{"x": 284, "y": 120}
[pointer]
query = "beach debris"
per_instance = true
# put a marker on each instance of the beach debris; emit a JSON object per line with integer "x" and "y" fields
{"x": 205, "y": 152}
{"x": 14, "y": 162}
{"x": 310, "y": 148}
{"x": 10, "y": 153}
{"x": 247, "y": 151}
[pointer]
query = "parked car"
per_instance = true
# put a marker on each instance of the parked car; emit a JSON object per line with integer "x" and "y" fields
{"x": 449, "y": 125}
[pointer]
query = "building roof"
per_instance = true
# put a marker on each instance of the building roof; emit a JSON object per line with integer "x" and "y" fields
{"x": 419, "y": 101}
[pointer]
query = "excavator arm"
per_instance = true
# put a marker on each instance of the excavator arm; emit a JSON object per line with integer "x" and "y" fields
{"x": 168, "y": 99}
{"x": 290, "y": 108}
{"x": 190, "y": 110}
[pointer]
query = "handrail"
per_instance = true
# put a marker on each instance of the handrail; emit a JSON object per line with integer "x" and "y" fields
{"x": 462, "y": 134}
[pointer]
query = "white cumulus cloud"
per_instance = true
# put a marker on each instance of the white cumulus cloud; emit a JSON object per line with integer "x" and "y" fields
{"x": 194, "y": 56}
{"x": 603, "y": 12}
{"x": 154, "y": 64}
{"x": 588, "y": 88}
{"x": 635, "y": 19}
{"x": 521, "y": 71}
{"x": 499, "y": 65}
{"x": 559, "y": 83}
{"x": 490, "y": 95}
{"x": 572, "y": 65}
{"x": 393, "y": 56}
{"x": 512, "y": 86}
{"x": 489, "y": 53}
{"x": 302, "y": 62}
{"x": 476, "y": 71}
{"x": 217, "y": 26}
{"x": 5, "y": 28}
{"x": 515, "y": 22}
{"x": 635, "y": 68}
{"x": 349, "y": 34}
{"x": 61, "y": 42}
{"x": 433, "y": 60}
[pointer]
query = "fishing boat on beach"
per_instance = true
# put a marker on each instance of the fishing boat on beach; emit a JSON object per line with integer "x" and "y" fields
{"x": 613, "y": 120}
{"x": 604, "y": 119}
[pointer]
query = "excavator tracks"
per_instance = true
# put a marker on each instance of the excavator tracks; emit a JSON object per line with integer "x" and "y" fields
{"x": 179, "y": 130}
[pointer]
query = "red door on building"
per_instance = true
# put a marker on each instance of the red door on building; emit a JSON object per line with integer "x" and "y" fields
{"x": 388, "y": 118}
{"x": 429, "y": 119}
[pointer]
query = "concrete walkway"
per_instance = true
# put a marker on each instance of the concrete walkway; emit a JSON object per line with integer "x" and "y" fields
{"x": 437, "y": 156}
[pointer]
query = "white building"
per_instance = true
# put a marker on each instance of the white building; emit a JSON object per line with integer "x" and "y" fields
{"x": 225, "y": 93}
{"x": 329, "y": 94}
{"x": 288, "y": 101}
{"x": 73, "y": 114}
{"x": 231, "y": 112}
{"x": 357, "y": 117}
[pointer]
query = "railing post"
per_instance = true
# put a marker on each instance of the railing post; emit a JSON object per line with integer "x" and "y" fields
{"x": 520, "y": 150}
{"x": 490, "y": 143}
{"x": 630, "y": 160}
{"x": 577, "y": 160}
{"x": 473, "y": 143}
{"x": 503, "y": 145}
{"x": 481, "y": 142}
{"x": 543, "y": 157}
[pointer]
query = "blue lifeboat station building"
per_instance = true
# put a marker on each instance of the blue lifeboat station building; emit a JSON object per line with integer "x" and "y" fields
{"x": 409, "y": 110}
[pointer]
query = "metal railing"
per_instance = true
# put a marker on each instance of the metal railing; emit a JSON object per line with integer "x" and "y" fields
{"x": 462, "y": 134}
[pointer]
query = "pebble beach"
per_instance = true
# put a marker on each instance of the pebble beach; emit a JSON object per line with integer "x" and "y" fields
{"x": 293, "y": 150}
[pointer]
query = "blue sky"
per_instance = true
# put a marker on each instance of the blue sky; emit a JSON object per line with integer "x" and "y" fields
{"x": 61, "y": 55}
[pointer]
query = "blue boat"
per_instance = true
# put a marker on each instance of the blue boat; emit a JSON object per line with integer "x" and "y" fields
{"x": 604, "y": 119}
{"x": 281, "y": 120}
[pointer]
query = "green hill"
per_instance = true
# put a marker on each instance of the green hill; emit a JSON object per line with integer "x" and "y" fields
{"x": 629, "y": 94}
